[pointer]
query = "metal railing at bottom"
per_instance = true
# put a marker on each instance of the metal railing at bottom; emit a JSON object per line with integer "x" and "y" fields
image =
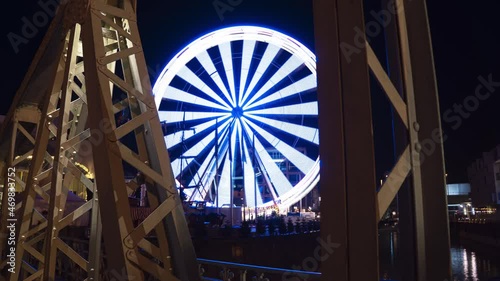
{"x": 211, "y": 270}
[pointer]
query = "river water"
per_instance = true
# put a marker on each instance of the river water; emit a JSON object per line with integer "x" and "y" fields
{"x": 469, "y": 262}
{"x": 473, "y": 264}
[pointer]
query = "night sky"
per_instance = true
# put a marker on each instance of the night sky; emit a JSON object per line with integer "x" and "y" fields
{"x": 466, "y": 42}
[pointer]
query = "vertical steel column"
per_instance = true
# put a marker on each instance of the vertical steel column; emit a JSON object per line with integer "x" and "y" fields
{"x": 414, "y": 146}
{"x": 359, "y": 150}
{"x": 348, "y": 167}
{"x": 333, "y": 193}
{"x": 177, "y": 258}
{"x": 58, "y": 192}
{"x": 95, "y": 238}
{"x": 435, "y": 209}
{"x": 406, "y": 263}
{"x": 107, "y": 164}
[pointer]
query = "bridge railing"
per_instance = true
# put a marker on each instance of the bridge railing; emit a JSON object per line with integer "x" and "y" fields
{"x": 212, "y": 270}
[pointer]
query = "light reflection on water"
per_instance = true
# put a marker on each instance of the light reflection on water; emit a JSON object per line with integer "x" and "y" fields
{"x": 467, "y": 263}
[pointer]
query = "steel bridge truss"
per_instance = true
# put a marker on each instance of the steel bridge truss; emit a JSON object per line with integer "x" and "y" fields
{"x": 355, "y": 207}
{"x": 98, "y": 73}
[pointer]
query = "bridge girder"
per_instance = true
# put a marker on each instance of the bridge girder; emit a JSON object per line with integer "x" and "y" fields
{"x": 95, "y": 71}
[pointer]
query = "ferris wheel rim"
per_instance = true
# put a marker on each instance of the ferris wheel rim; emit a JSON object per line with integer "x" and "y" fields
{"x": 228, "y": 34}
{"x": 259, "y": 34}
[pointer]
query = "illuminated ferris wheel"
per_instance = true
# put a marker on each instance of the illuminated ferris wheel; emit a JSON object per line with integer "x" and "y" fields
{"x": 239, "y": 108}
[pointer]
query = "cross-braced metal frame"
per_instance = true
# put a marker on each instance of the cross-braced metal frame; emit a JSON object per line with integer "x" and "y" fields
{"x": 98, "y": 73}
{"x": 345, "y": 59}
{"x": 24, "y": 127}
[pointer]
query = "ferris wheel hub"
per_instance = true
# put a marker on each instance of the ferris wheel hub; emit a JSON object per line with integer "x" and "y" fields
{"x": 237, "y": 112}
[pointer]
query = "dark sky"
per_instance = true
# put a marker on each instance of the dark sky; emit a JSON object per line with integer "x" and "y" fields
{"x": 466, "y": 41}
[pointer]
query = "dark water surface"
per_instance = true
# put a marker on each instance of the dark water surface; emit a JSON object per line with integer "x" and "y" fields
{"x": 470, "y": 262}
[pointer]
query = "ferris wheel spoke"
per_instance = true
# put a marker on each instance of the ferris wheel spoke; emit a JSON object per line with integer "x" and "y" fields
{"x": 182, "y": 96}
{"x": 175, "y": 138}
{"x": 308, "y": 108}
{"x": 227, "y": 61}
{"x": 208, "y": 65}
{"x": 232, "y": 147}
{"x": 194, "y": 193}
{"x": 268, "y": 181}
{"x": 224, "y": 142}
{"x": 188, "y": 192}
{"x": 181, "y": 116}
{"x": 246, "y": 59}
{"x": 304, "y": 84}
{"x": 251, "y": 193}
{"x": 210, "y": 171}
{"x": 209, "y": 177}
{"x": 278, "y": 179}
{"x": 306, "y": 133}
{"x": 189, "y": 155}
{"x": 290, "y": 65}
{"x": 189, "y": 76}
{"x": 177, "y": 165}
{"x": 300, "y": 160}
{"x": 201, "y": 174}
{"x": 265, "y": 62}
{"x": 225, "y": 183}
{"x": 240, "y": 137}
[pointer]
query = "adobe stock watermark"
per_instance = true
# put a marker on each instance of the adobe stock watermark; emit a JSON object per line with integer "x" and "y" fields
{"x": 96, "y": 137}
{"x": 460, "y": 112}
{"x": 373, "y": 28}
{"x": 11, "y": 220}
{"x": 31, "y": 26}
{"x": 223, "y": 6}
{"x": 454, "y": 116}
{"x": 470, "y": 104}
{"x": 320, "y": 254}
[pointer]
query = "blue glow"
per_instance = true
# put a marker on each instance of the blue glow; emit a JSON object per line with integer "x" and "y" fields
{"x": 242, "y": 105}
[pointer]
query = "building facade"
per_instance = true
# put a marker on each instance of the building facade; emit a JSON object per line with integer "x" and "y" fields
{"x": 484, "y": 177}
